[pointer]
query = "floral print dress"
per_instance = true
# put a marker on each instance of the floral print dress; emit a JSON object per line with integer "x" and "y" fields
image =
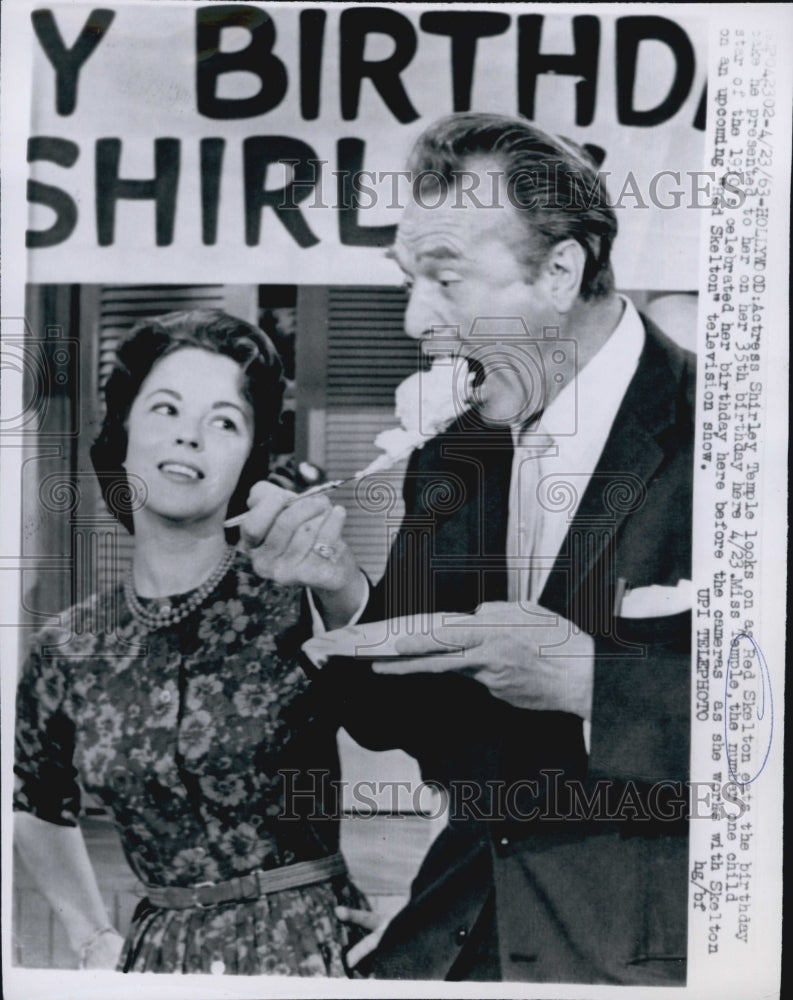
{"x": 205, "y": 743}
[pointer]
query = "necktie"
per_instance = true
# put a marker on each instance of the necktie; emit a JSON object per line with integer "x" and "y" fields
{"x": 525, "y": 560}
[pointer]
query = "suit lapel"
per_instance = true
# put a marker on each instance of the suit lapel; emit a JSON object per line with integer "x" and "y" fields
{"x": 632, "y": 453}
{"x": 463, "y": 484}
{"x": 485, "y": 472}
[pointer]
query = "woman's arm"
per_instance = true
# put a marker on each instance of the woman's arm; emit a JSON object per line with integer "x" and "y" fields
{"x": 58, "y": 862}
{"x": 338, "y": 608}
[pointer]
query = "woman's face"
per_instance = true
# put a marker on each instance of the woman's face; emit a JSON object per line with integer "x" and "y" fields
{"x": 189, "y": 435}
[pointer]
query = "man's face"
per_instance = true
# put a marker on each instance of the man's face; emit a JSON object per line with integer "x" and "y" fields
{"x": 467, "y": 281}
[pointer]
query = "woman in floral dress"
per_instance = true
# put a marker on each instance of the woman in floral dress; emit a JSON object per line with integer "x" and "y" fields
{"x": 177, "y": 699}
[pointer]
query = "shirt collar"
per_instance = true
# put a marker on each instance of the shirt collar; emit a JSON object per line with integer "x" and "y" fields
{"x": 600, "y": 386}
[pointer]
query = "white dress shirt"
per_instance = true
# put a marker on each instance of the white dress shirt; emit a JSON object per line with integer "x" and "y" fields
{"x": 551, "y": 470}
{"x": 552, "y": 466}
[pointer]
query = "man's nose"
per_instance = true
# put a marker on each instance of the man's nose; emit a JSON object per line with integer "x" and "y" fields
{"x": 420, "y": 311}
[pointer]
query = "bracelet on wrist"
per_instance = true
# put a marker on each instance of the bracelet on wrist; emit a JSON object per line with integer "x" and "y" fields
{"x": 86, "y": 948}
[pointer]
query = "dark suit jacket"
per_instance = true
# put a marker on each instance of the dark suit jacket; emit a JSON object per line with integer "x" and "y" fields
{"x": 569, "y": 879}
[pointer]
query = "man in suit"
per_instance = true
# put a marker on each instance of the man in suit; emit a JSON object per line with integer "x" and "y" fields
{"x": 546, "y": 550}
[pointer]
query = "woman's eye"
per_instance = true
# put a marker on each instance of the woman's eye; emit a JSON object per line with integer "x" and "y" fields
{"x": 225, "y": 423}
{"x": 166, "y": 409}
{"x": 447, "y": 280}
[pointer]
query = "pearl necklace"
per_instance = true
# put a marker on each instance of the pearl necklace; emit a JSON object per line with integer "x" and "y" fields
{"x": 167, "y": 614}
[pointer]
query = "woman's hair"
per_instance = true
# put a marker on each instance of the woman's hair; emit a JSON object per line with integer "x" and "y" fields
{"x": 153, "y": 339}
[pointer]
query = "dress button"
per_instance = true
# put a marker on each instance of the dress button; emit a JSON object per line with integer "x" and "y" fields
{"x": 460, "y": 934}
{"x": 165, "y": 696}
{"x": 504, "y": 841}
{"x": 218, "y": 967}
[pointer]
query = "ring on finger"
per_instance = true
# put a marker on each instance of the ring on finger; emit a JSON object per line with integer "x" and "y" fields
{"x": 325, "y": 551}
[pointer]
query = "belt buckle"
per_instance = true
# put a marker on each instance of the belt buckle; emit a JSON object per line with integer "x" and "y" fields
{"x": 196, "y": 901}
{"x": 255, "y": 890}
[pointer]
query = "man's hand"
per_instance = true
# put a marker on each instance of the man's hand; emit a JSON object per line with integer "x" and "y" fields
{"x": 522, "y": 653}
{"x": 370, "y": 922}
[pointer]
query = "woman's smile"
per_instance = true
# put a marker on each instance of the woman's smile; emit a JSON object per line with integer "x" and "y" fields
{"x": 180, "y": 472}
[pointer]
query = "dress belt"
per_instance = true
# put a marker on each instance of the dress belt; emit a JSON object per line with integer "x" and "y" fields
{"x": 245, "y": 887}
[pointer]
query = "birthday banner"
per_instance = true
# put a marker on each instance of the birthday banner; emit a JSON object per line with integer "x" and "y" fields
{"x": 261, "y": 142}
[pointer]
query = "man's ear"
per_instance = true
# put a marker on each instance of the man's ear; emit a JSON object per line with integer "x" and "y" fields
{"x": 564, "y": 268}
